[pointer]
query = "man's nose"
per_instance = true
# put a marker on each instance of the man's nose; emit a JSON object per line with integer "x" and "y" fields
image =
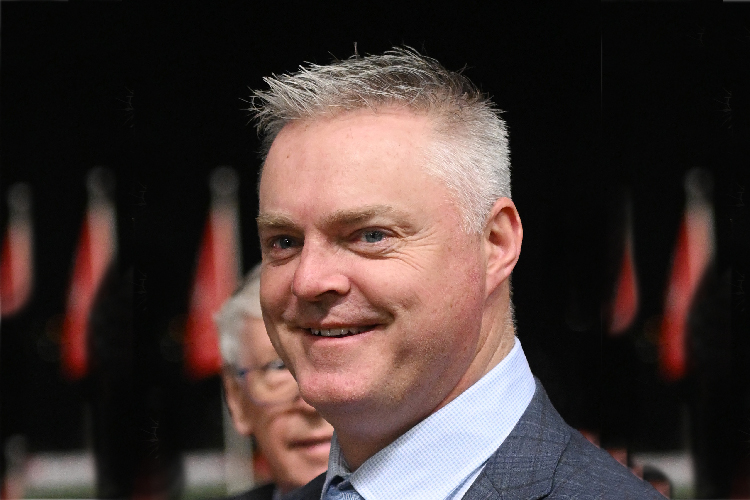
{"x": 319, "y": 273}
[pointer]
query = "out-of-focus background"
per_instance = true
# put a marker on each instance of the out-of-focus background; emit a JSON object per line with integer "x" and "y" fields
{"x": 128, "y": 182}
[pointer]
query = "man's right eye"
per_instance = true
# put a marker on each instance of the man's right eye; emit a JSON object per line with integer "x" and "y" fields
{"x": 284, "y": 242}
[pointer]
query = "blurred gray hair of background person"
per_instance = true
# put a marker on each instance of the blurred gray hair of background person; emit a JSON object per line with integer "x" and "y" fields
{"x": 244, "y": 304}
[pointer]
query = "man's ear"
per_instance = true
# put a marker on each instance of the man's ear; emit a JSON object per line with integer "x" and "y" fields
{"x": 502, "y": 238}
{"x": 238, "y": 405}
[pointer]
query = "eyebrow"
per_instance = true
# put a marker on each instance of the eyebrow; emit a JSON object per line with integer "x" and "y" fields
{"x": 274, "y": 221}
{"x": 338, "y": 218}
{"x": 358, "y": 215}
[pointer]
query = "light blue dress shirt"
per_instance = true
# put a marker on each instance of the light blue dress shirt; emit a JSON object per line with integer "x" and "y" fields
{"x": 441, "y": 456}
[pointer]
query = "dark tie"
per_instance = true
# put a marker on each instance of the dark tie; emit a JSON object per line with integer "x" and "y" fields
{"x": 341, "y": 489}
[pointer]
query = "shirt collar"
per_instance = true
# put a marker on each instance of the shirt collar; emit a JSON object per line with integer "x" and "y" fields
{"x": 444, "y": 450}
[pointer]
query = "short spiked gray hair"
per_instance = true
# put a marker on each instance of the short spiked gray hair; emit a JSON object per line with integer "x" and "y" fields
{"x": 470, "y": 153}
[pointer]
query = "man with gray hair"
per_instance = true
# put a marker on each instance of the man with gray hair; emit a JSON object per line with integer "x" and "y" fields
{"x": 264, "y": 400}
{"x": 388, "y": 237}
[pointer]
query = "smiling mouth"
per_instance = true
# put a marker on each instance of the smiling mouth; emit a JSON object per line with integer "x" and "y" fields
{"x": 339, "y": 332}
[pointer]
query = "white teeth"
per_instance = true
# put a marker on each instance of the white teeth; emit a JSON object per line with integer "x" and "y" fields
{"x": 337, "y": 332}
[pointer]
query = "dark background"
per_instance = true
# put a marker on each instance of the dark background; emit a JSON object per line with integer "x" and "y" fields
{"x": 601, "y": 101}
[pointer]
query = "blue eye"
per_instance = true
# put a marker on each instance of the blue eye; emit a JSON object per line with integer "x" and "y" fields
{"x": 285, "y": 242}
{"x": 373, "y": 236}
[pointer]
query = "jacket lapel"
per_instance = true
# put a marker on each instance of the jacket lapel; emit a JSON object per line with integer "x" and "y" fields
{"x": 523, "y": 467}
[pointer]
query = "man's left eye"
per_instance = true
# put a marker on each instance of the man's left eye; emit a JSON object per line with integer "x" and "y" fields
{"x": 373, "y": 236}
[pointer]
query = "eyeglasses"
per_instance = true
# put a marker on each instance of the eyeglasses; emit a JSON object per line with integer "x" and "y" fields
{"x": 271, "y": 383}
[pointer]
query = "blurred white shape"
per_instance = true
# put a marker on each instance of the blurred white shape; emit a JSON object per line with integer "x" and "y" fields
{"x": 677, "y": 466}
{"x": 55, "y": 471}
{"x": 203, "y": 469}
{"x": 50, "y": 472}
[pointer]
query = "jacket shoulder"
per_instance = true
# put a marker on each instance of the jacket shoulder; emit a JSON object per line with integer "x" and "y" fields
{"x": 586, "y": 471}
{"x": 543, "y": 457}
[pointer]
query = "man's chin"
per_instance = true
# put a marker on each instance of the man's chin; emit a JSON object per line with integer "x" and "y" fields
{"x": 331, "y": 400}
{"x": 343, "y": 394}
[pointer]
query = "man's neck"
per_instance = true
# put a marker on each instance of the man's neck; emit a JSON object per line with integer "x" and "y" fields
{"x": 359, "y": 443}
{"x": 366, "y": 437}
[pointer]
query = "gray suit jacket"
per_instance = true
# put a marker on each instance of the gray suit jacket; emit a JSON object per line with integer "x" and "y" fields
{"x": 542, "y": 457}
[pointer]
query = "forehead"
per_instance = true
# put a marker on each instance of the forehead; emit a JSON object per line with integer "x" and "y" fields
{"x": 360, "y": 156}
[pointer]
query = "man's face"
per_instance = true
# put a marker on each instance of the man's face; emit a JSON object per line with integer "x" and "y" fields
{"x": 292, "y": 436}
{"x": 371, "y": 291}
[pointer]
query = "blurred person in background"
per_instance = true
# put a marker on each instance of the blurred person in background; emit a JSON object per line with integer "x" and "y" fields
{"x": 264, "y": 400}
